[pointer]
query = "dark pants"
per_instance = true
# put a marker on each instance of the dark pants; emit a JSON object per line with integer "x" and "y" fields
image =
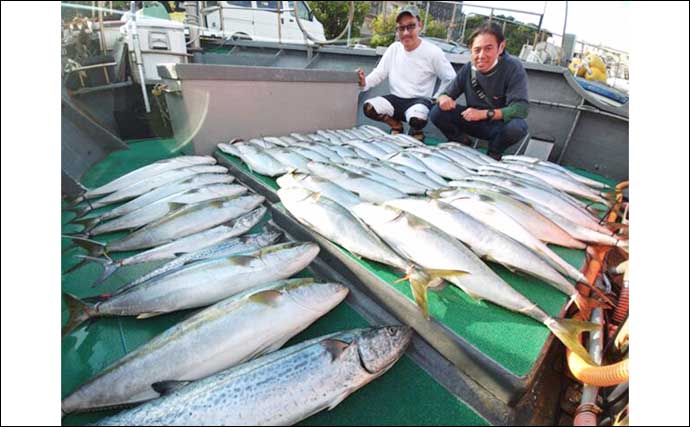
{"x": 500, "y": 134}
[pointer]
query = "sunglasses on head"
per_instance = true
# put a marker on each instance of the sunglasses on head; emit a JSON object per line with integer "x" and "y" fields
{"x": 402, "y": 28}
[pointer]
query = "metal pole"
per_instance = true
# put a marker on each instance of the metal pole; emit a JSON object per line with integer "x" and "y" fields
{"x": 451, "y": 27}
{"x": 541, "y": 20}
{"x": 101, "y": 37}
{"x": 137, "y": 55}
{"x": 464, "y": 24}
{"x": 491, "y": 17}
{"x": 565, "y": 23}
{"x": 280, "y": 32}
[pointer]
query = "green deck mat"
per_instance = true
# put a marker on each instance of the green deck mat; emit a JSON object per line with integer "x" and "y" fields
{"x": 391, "y": 399}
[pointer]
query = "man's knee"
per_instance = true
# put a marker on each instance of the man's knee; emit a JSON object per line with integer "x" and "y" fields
{"x": 435, "y": 114}
{"x": 515, "y": 130}
{"x": 370, "y": 112}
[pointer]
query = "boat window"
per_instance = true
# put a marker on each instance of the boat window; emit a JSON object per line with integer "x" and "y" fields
{"x": 272, "y": 5}
{"x": 211, "y": 3}
{"x": 304, "y": 12}
{"x": 240, "y": 3}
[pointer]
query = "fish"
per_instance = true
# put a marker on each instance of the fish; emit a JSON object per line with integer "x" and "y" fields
{"x": 235, "y": 246}
{"x": 290, "y": 158}
{"x": 545, "y": 164}
{"x": 548, "y": 199}
{"x": 189, "y": 183}
{"x": 580, "y": 232}
{"x": 146, "y": 185}
{"x": 488, "y": 243}
{"x": 143, "y": 173}
{"x": 483, "y": 208}
{"x": 407, "y": 159}
{"x": 402, "y": 181}
{"x": 184, "y": 245}
{"x": 440, "y": 164}
{"x": 337, "y": 224}
{"x": 559, "y": 181}
{"x": 197, "y": 285}
{"x": 319, "y": 185}
{"x": 524, "y": 213}
{"x": 165, "y": 206}
{"x": 430, "y": 247}
{"x": 366, "y": 188}
{"x": 281, "y": 388}
{"x": 230, "y": 332}
{"x": 185, "y": 221}
{"x": 370, "y": 149}
{"x": 256, "y": 159}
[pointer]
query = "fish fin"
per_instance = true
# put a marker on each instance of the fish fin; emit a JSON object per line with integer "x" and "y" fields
{"x": 568, "y": 331}
{"x": 176, "y": 205}
{"x": 241, "y": 259}
{"x": 79, "y": 212}
{"x": 335, "y": 347}
{"x": 149, "y": 315}
{"x": 93, "y": 247}
{"x": 421, "y": 281}
{"x": 79, "y": 312}
{"x": 167, "y": 387}
{"x": 316, "y": 196}
{"x": 268, "y": 297}
{"x": 88, "y": 223}
{"x": 74, "y": 201}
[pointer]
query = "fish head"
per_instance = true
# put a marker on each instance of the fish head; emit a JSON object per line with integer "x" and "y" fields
{"x": 374, "y": 214}
{"x": 380, "y": 348}
{"x": 316, "y": 297}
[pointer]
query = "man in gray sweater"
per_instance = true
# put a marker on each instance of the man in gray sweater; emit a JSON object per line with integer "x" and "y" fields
{"x": 495, "y": 87}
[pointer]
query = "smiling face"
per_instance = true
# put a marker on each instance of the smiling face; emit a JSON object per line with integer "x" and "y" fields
{"x": 408, "y": 28}
{"x": 485, "y": 51}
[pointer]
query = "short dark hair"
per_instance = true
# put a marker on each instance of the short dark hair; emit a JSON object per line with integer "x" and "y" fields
{"x": 488, "y": 28}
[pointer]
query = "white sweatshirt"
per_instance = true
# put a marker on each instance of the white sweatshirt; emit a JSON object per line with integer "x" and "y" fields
{"x": 412, "y": 74}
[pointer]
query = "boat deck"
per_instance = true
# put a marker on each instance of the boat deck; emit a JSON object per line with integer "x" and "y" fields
{"x": 394, "y": 399}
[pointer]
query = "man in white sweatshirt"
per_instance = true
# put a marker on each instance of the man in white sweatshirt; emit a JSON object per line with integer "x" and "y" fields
{"x": 411, "y": 66}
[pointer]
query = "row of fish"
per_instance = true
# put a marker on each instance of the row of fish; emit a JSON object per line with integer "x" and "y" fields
{"x": 435, "y": 212}
{"x": 250, "y": 308}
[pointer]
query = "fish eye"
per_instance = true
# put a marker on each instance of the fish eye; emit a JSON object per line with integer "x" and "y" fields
{"x": 392, "y": 331}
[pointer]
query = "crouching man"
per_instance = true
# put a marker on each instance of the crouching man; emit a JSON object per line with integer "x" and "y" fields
{"x": 495, "y": 87}
{"x": 411, "y": 66}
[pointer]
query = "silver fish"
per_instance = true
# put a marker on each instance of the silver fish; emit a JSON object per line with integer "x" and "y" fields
{"x": 281, "y": 388}
{"x": 208, "y": 342}
{"x": 197, "y": 285}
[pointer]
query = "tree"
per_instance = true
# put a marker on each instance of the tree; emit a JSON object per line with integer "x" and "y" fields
{"x": 333, "y": 15}
{"x": 516, "y": 33}
{"x": 383, "y": 28}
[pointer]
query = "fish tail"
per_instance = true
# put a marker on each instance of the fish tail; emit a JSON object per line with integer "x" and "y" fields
{"x": 79, "y": 312}
{"x": 568, "y": 331}
{"x": 94, "y": 248}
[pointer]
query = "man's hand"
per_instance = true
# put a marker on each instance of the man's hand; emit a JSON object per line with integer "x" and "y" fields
{"x": 446, "y": 103}
{"x": 473, "y": 115}
{"x": 362, "y": 77}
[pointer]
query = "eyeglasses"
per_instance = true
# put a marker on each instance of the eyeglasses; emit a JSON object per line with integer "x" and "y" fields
{"x": 402, "y": 28}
